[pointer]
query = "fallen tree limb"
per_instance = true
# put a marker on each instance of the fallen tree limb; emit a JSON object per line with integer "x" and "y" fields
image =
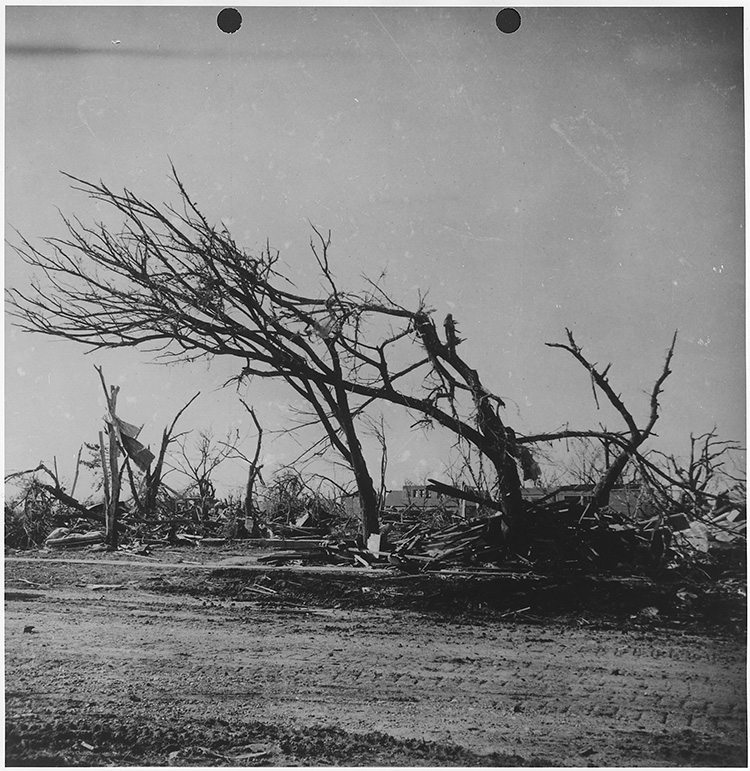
{"x": 466, "y": 495}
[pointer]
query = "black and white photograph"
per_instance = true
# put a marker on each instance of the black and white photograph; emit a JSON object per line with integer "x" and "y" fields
{"x": 375, "y": 385}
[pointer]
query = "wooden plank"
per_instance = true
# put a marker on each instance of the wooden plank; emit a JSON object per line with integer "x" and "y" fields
{"x": 70, "y": 541}
{"x": 286, "y": 543}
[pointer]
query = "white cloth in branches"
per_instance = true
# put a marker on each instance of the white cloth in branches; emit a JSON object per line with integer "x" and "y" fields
{"x": 128, "y": 436}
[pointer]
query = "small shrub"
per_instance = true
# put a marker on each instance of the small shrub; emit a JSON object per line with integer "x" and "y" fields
{"x": 30, "y": 517}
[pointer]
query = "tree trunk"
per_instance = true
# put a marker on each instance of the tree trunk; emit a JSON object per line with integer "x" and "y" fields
{"x": 338, "y": 403}
{"x": 600, "y": 497}
{"x": 514, "y": 529}
{"x": 251, "y": 515}
{"x": 111, "y": 485}
{"x": 499, "y": 444}
{"x": 501, "y": 451}
{"x": 509, "y": 485}
{"x": 368, "y": 497}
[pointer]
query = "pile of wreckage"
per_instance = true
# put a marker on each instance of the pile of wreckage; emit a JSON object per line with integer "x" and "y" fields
{"x": 188, "y": 520}
{"x": 553, "y": 535}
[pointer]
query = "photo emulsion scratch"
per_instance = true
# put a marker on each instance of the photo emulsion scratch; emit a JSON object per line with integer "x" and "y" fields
{"x": 375, "y": 386}
{"x": 596, "y": 147}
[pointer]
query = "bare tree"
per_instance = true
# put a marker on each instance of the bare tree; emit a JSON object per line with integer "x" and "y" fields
{"x": 584, "y": 460}
{"x": 111, "y": 470}
{"x": 199, "y": 463}
{"x": 175, "y": 285}
{"x": 57, "y": 490}
{"x": 155, "y": 473}
{"x": 171, "y": 283}
{"x": 635, "y": 436}
{"x": 254, "y": 468}
{"x": 700, "y": 484}
{"x": 377, "y": 429}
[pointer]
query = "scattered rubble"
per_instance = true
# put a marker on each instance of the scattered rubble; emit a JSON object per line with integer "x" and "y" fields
{"x": 560, "y": 534}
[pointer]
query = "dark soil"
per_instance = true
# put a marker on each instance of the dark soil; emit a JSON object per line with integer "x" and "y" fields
{"x": 206, "y": 658}
{"x": 624, "y": 602}
{"x": 98, "y": 739}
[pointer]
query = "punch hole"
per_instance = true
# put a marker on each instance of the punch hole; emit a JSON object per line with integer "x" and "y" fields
{"x": 508, "y": 20}
{"x": 229, "y": 20}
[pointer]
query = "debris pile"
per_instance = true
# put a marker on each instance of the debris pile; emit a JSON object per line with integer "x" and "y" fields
{"x": 470, "y": 543}
{"x": 448, "y": 529}
{"x": 567, "y": 534}
{"x": 309, "y": 524}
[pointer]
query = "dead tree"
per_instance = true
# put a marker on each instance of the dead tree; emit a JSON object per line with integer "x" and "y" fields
{"x": 111, "y": 471}
{"x": 254, "y": 468}
{"x": 377, "y": 429}
{"x": 699, "y": 485}
{"x": 57, "y": 490}
{"x": 495, "y": 440}
{"x": 155, "y": 473}
{"x": 172, "y": 283}
{"x": 628, "y": 443}
{"x": 199, "y": 464}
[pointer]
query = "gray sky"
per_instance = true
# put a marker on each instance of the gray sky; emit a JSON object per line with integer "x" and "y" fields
{"x": 586, "y": 171}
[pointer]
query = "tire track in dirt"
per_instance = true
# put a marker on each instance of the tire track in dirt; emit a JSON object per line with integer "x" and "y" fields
{"x": 550, "y": 693}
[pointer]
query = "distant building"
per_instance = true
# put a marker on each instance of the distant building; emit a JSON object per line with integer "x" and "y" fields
{"x": 625, "y": 499}
{"x": 628, "y": 499}
{"x": 420, "y": 498}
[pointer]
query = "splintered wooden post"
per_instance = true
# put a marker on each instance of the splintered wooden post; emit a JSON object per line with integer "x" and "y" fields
{"x": 105, "y": 473}
{"x": 111, "y": 474}
{"x": 114, "y": 474}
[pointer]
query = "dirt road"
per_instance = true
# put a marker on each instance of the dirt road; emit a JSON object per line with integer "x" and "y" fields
{"x": 121, "y": 666}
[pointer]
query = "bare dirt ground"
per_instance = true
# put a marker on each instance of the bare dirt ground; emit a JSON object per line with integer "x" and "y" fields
{"x": 119, "y": 660}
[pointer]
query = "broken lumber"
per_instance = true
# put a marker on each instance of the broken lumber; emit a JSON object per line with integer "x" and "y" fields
{"x": 76, "y": 539}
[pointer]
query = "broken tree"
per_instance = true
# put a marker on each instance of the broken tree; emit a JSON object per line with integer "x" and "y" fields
{"x": 635, "y": 436}
{"x": 122, "y": 437}
{"x": 254, "y": 468}
{"x": 110, "y": 465}
{"x": 172, "y": 282}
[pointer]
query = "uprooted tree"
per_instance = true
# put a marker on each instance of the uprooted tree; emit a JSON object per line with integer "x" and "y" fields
{"x": 171, "y": 283}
